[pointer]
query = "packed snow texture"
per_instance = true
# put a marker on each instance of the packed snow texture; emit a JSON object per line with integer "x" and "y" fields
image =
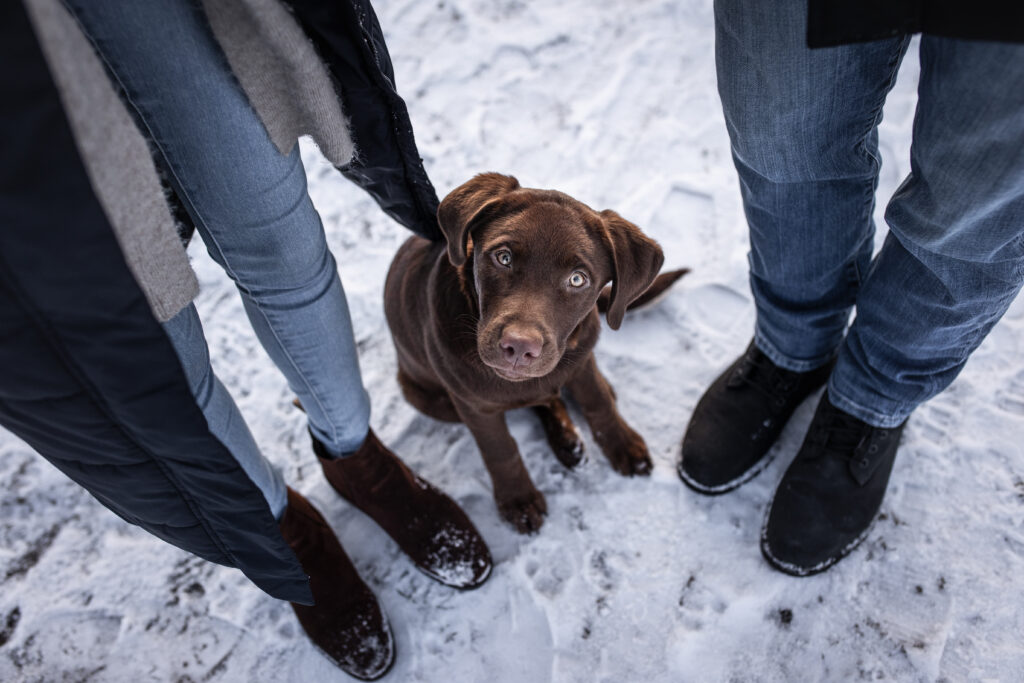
{"x": 630, "y": 580}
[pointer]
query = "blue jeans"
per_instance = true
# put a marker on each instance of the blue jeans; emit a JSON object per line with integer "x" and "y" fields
{"x": 804, "y": 130}
{"x": 250, "y": 205}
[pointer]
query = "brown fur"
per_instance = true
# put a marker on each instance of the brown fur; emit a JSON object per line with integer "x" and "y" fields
{"x": 476, "y": 337}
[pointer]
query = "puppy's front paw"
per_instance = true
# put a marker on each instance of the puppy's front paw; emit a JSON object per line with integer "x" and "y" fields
{"x": 525, "y": 512}
{"x": 628, "y": 454}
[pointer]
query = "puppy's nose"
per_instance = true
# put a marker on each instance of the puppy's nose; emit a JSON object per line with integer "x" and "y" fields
{"x": 520, "y": 347}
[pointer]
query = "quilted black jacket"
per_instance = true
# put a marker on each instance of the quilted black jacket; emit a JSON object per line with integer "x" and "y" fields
{"x": 87, "y": 376}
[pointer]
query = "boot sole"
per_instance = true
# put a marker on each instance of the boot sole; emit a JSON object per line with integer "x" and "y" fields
{"x": 758, "y": 467}
{"x": 800, "y": 571}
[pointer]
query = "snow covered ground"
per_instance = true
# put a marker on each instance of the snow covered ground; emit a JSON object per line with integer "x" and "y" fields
{"x": 629, "y": 580}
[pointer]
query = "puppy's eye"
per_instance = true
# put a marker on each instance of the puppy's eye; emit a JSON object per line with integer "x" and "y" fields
{"x": 578, "y": 279}
{"x": 503, "y": 257}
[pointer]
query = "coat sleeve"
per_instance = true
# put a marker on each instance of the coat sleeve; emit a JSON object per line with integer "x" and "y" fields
{"x": 387, "y": 163}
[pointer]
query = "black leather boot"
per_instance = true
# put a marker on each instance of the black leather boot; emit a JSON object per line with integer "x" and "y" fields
{"x": 738, "y": 419}
{"x": 831, "y": 493}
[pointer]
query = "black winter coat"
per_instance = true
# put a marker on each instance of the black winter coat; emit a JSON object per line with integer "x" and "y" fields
{"x": 837, "y": 22}
{"x": 87, "y": 376}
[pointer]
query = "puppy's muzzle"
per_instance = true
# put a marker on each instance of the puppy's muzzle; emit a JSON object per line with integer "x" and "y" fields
{"x": 518, "y": 353}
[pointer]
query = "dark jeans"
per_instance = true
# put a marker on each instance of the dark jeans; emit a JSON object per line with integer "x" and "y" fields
{"x": 804, "y": 131}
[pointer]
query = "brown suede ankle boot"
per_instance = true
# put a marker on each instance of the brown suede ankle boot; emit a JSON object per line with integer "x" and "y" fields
{"x": 346, "y": 623}
{"x": 427, "y": 525}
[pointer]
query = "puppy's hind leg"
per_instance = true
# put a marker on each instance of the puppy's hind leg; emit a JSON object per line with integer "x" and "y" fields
{"x": 563, "y": 437}
{"x": 432, "y": 402}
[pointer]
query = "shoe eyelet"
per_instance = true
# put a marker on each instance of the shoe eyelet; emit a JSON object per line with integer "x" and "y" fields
{"x": 864, "y": 463}
{"x": 873, "y": 448}
{"x": 884, "y": 433}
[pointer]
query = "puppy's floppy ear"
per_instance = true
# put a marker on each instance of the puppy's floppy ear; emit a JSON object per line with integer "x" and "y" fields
{"x": 636, "y": 259}
{"x": 467, "y": 205}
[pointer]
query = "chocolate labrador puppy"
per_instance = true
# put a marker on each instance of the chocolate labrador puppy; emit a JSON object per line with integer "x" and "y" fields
{"x": 507, "y": 316}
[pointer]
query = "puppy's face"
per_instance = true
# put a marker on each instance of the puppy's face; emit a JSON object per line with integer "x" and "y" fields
{"x": 538, "y": 260}
{"x": 537, "y": 273}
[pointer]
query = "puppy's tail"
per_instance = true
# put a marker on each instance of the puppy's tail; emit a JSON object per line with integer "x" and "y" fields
{"x": 650, "y": 295}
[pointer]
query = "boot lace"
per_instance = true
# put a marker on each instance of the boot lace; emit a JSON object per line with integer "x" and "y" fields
{"x": 760, "y": 374}
{"x": 839, "y": 434}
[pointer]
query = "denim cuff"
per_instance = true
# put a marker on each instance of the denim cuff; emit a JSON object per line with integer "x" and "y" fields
{"x": 882, "y": 413}
{"x": 785, "y": 362}
{"x": 277, "y": 498}
{"x": 340, "y": 450}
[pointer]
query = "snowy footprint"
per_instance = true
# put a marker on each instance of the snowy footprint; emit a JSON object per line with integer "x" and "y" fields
{"x": 82, "y": 636}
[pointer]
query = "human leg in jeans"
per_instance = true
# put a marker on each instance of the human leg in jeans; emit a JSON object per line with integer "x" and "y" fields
{"x": 222, "y": 415}
{"x": 803, "y": 127}
{"x": 954, "y": 260}
{"x": 950, "y": 267}
{"x": 803, "y": 124}
{"x": 250, "y": 205}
